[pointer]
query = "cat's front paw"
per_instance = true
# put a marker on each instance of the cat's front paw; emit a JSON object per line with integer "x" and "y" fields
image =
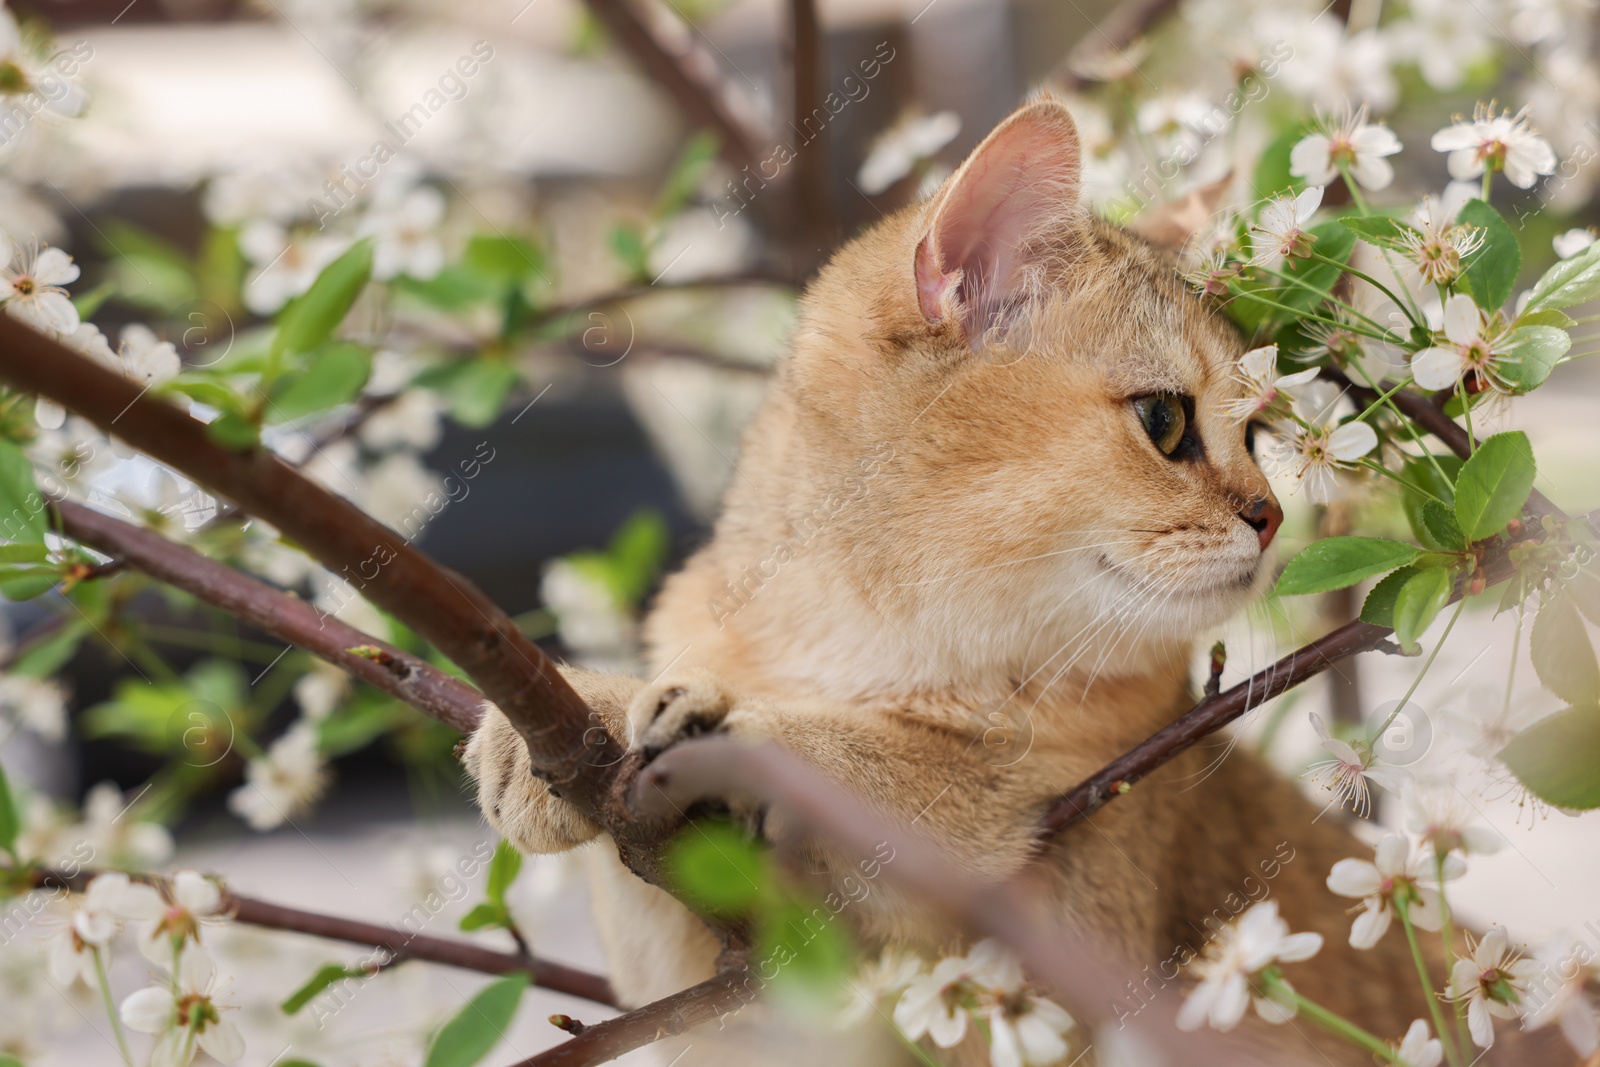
{"x": 681, "y": 706}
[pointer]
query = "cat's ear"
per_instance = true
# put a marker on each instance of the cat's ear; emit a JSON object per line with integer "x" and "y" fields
{"x": 1170, "y": 225}
{"x": 1020, "y": 184}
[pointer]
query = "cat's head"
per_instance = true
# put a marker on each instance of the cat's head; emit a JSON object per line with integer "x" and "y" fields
{"x": 1063, "y": 468}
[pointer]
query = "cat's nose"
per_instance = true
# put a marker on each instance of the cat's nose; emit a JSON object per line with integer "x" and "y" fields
{"x": 1264, "y": 516}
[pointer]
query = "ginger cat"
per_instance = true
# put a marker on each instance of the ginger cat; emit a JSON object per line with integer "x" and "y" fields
{"x": 993, "y": 484}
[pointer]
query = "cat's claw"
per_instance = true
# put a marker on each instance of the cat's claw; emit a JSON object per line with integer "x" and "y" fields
{"x": 677, "y": 708}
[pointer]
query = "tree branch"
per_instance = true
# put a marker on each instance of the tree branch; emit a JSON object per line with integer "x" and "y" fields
{"x": 689, "y": 77}
{"x": 398, "y": 943}
{"x": 567, "y": 742}
{"x": 283, "y": 615}
{"x": 667, "y": 1017}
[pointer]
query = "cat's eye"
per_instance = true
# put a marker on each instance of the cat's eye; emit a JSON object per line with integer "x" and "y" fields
{"x": 1164, "y": 420}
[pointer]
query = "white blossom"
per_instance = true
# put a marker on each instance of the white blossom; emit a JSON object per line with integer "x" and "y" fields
{"x": 1572, "y": 242}
{"x": 898, "y": 151}
{"x": 284, "y": 782}
{"x": 404, "y": 232}
{"x": 1264, "y": 388}
{"x": 191, "y": 903}
{"x": 885, "y": 977}
{"x": 1231, "y": 968}
{"x": 89, "y": 921}
{"x": 1026, "y": 1030}
{"x": 1442, "y": 43}
{"x": 1474, "y": 347}
{"x": 1351, "y": 771}
{"x": 320, "y": 689}
{"x": 1560, "y": 994}
{"x": 147, "y": 358}
{"x": 116, "y": 835}
{"x": 1442, "y": 817}
{"x": 1392, "y": 872}
{"x": 410, "y": 420}
{"x": 1492, "y": 980}
{"x": 287, "y": 263}
{"x": 26, "y": 72}
{"x": 1348, "y": 143}
{"x": 1418, "y": 1049}
{"x": 1439, "y": 243}
{"x": 187, "y": 1017}
{"x": 31, "y": 286}
{"x": 37, "y": 704}
{"x": 1280, "y": 231}
{"x": 1496, "y": 142}
{"x": 1313, "y": 453}
{"x": 937, "y": 1004}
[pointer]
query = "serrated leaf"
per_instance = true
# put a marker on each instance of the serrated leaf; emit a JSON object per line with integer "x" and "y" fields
{"x": 10, "y": 819}
{"x": 1379, "y": 230}
{"x": 1336, "y": 562}
{"x": 478, "y": 1027}
{"x": 324, "y": 978}
{"x": 1562, "y": 654}
{"x": 1494, "y": 484}
{"x": 1558, "y": 758}
{"x": 311, "y": 317}
{"x": 22, "y": 507}
{"x": 504, "y": 867}
{"x": 1418, "y": 602}
{"x": 1530, "y": 354}
{"x": 1490, "y": 272}
{"x": 1378, "y": 608}
{"x": 1442, "y": 525}
{"x": 1548, "y": 317}
{"x": 1427, "y": 476}
{"x": 335, "y": 376}
{"x": 1568, "y": 282}
{"x": 717, "y": 868}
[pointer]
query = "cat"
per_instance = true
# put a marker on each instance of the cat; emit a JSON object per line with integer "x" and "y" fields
{"x": 993, "y": 494}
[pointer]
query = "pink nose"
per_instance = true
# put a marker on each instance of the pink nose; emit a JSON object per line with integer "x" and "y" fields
{"x": 1263, "y": 516}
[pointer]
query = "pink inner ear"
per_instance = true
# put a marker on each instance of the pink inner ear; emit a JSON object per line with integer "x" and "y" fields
{"x": 1019, "y": 182}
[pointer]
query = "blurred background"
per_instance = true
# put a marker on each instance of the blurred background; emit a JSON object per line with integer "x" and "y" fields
{"x": 592, "y": 238}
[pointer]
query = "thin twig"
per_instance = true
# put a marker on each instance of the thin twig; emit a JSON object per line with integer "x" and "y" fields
{"x": 690, "y": 77}
{"x": 605, "y": 1041}
{"x": 283, "y": 615}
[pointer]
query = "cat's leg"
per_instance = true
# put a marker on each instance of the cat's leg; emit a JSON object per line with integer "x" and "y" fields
{"x": 916, "y": 765}
{"x": 518, "y": 805}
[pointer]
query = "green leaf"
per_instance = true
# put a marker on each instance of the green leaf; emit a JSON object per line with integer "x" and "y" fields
{"x": 453, "y": 289}
{"x": 47, "y": 656}
{"x": 1549, "y": 317}
{"x": 1272, "y": 175}
{"x": 1331, "y": 240}
{"x": 1436, "y": 478}
{"x": 1571, "y": 281}
{"x": 485, "y": 915}
{"x": 811, "y": 950}
{"x": 505, "y": 260}
{"x": 476, "y": 390}
{"x": 1378, "y": 609}
{"x": 25, "y": 583}
{"x": 1585, "y": 592}
{"x": 24, "y": 552}
{"x": 628, "y": 244}
{"x": 233, "y": 430}
{"x": 22, "y": 508}
{"x": 686, "y": 174}
{"x": 503, "y": 870}
{"x": 208, "y": 390}
{"x": 335, "y": 376}
{"x": 1558, "y": 758}
{"x": 1562, "y": 655}
{"x": 1490, "y": 272}
{"x": 478, "y": 1027}
{"x": 312, "y": 317}
{"x": 1494, "y": 484}
{"x": 1418, "y": 603}
{"x": 1379, "y": 230}
{"x": 1530, "y": 354}
{"x": 358, "y": 725}
{"x": 1442, "y": 525}
{"x": 637, "y": 550}
{"x": 1335, "y": 562}
{"x": 10, "y": 820}
{"x": 144, "y": 269}
{"x": 324, "y": 978}
{"x": 12, "y": 1061}
{"x": 717, "y": 868}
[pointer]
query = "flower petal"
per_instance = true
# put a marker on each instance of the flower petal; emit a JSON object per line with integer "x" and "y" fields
{"x": 1297, "y": 947}
{"x": 1437, "y": 368}
{"x": 148, "y": 1011}
{"x": 1371, "y": 924}
{"x": 1355, "y": 878}
{"x": 1352, "y": 441}
{"x": 223, "y": 1041}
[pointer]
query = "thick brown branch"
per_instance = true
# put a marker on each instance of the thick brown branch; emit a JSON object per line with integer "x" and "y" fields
{"x": 283, "y": 615}
{"x": 690, "y": 78}
{"x": 566, "y": 741}
{"x": 603, "y": 1042}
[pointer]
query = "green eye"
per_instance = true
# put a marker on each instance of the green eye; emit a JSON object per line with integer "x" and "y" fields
{"x": 1163, "y": 419}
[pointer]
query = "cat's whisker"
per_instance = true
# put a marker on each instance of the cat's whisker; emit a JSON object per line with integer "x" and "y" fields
{"x": 1014, "y": 562}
